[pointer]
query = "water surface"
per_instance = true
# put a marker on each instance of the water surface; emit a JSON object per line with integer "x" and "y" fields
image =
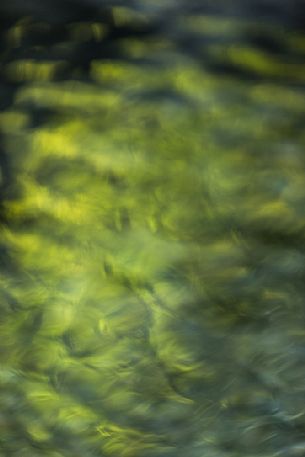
{"x": 152, "y": 230}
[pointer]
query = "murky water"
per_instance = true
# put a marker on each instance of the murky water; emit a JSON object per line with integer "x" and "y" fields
{"x": 152, "y": 230}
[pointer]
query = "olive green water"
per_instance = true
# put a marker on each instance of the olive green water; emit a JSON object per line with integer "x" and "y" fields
{"x": 152, "y": 281}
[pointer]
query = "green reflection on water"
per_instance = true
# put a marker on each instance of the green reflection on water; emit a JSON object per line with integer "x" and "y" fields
{"x": 154, "y": 301}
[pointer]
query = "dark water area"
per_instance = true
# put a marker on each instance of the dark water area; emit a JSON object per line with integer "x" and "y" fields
{"x": 152, "y": 250}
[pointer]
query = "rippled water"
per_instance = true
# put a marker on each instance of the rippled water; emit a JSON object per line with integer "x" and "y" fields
{"x": 152, "y": 230}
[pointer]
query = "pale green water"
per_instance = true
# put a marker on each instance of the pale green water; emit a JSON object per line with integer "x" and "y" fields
{"x": 152, "y": 299}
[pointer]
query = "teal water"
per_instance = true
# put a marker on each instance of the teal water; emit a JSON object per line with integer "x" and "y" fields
{"x": 152, "y": 237}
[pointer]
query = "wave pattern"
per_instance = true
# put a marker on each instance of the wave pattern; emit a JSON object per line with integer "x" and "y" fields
{"x": 152, "y": 299}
